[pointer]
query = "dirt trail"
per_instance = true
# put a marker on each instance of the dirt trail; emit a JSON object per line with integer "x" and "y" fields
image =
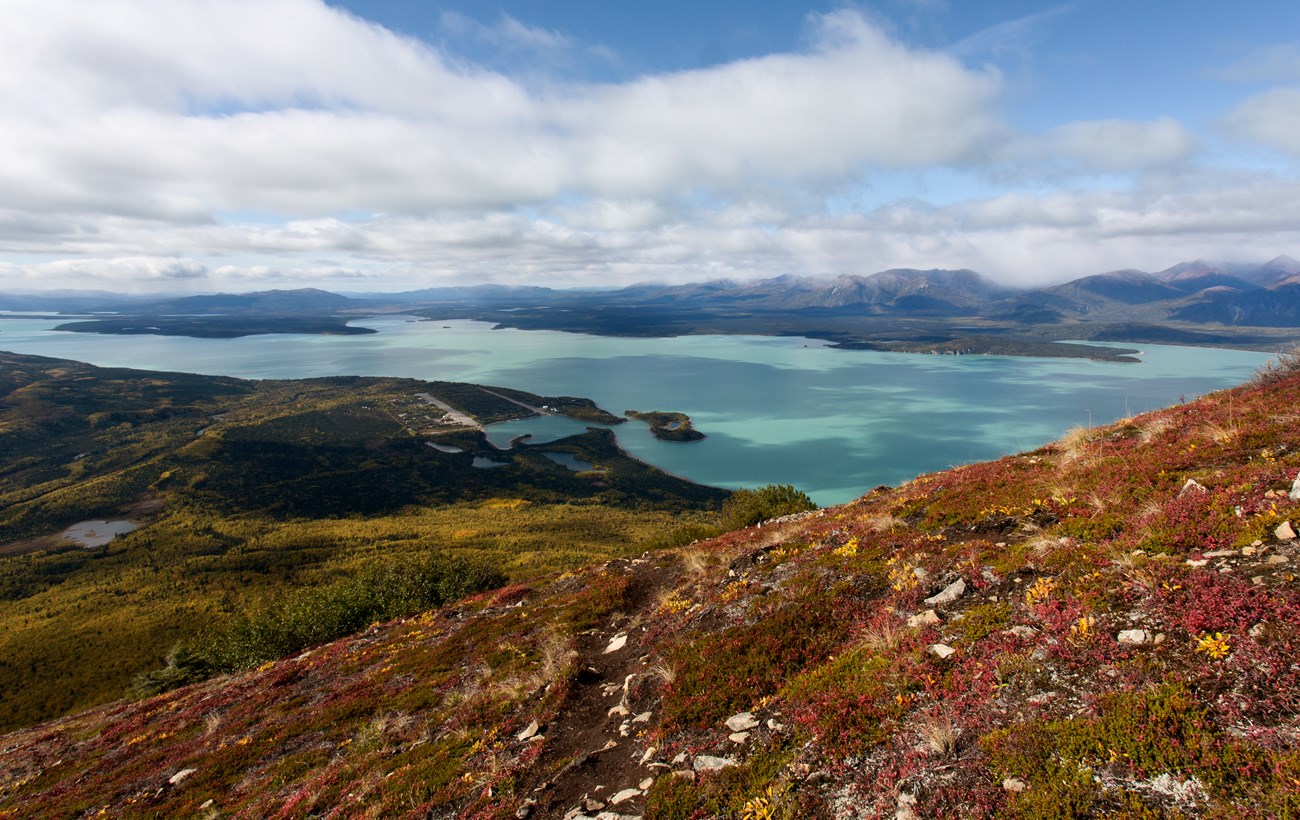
{"x": 587, "y": 755}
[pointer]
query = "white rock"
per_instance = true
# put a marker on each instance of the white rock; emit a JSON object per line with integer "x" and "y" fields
{"x": 624, "y": 796}
{"x": 742, "y": 722}
{"x": 709, "y": 763}
{"x": 1284, "y": 532}
{"x": 1023, "y": 632}
{"x": 181, "y": 775}
{"x": 942, "y": 651}
{"x": 1220, "y": 553}
{"x": 927, "y": 618}
{"x": 1014, "y": 785}
{"x": 1134, "y": 637}
{"x": 616, "y": 643}
{"x": 649, "y": 753}
{"x": 1192, "y": 485}
{"x": 645, "y": 785}
{"x": 950, "y": 593}
{"x": 680, "y": 759}
{"x": 644, "y": 717}
{"x": 593, "y": 805}
{"x": 619, "y": 710}
{"x": 1276, "y": 559}
{"x": 1196, "y": 563}
{"x": 532, "y": 729}
{"x": 738, "y": 737}
{"x": 1294, "y": 495}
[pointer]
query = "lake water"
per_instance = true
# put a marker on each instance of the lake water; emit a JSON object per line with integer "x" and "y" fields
{"x": 834, "y": 423}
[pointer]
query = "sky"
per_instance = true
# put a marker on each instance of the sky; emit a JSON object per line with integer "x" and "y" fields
{"x": 385, "y": 145}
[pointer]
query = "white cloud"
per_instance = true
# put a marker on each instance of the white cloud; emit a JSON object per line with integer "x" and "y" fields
{"x": 1122, "y": 145}
{"x": 1277, "y": 63}
{"x": 138, "y": 136}
{"x": 1271, "y": 118}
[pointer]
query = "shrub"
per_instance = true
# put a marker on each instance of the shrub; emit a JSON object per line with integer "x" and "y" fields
{"x": 308, "y": 617}
{"x": 746, "y": 508}
{"x": 1284, "y": 366}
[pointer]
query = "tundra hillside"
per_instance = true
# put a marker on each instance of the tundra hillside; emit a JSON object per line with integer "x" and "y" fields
{"x": 1106, "y": 626}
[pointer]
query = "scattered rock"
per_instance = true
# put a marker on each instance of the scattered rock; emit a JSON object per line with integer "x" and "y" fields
{"x": 927, "y": 618}
{"x": 1220, "y": 553}
{"x": 616, "y": 643}
{"x": 1248, "y": 551}
{"x": 1284, "y": 532}
{"x": 645, "y": 785}
{"x": 1191, "y": 486}
{"x": 685, "y": 774}
{"x": 680, "y": 759}
{"x": 644, "y": 717}
{"x": 181, "y": 775}
{"x": 921, "y": 573}
{"x": 624, "y": 796}
{"x": 1014, "y": 785}
{"x": 620, "y": 710}
{"x": 592, "y": 805}
{"x": 532, "y": 729}
{"x": 742, "y": 722}
{"x": 709, "y": 763}
{"x": 526, "y": 809}
{"x": 942, "y": 651}
{"x": 649, "y": 753}
{"x": 1134, "y": 637}
{"x": 1257, "y": 631}
{"x": 1197, "y": 562}
{"x": 1277, "y": 559}
{"x": 738, "y": 737}
{"x": 1023, "y": 632}
{"x": 1294, "y": 495}
{"x": 1258, "y": 580}
{"x": 774, "y": 726}
{"x": 949, "y": 594}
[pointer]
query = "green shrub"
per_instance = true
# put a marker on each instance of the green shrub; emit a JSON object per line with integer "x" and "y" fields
{"x": 309, "y": 617}
{"x": 746, "y": 508}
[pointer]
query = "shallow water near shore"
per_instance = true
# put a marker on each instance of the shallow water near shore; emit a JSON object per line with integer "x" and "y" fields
{"x": 834, "y": 423}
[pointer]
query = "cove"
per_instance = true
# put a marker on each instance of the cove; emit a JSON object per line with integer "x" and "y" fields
{"x": 834, "y": 423}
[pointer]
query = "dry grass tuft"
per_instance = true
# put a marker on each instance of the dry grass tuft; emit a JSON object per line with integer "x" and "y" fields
{"x": 1153, "y": 428}
{"x": 1219, "y": 433}
{"x": 885, "y": 522}
{"x": 940, "y": 735}
{"x": 664, "y": 673}
{"x": 1074, "y": 444}
{"x": 883, "y": 638}
{"x": 697, "y": 560}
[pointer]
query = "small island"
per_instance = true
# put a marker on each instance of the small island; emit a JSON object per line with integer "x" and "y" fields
{"x": 667, "y": 426}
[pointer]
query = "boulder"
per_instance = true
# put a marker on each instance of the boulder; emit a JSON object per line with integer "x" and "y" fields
{"x": 742, "y": 722}
{"x": 1134, "y": 637}
{"x": 949, "y": 594}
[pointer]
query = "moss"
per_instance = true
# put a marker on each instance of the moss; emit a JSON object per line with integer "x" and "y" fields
{"x": 983, "y": 620}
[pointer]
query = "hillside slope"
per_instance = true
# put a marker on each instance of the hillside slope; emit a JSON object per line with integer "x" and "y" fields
{"x": 1106, "y": 626}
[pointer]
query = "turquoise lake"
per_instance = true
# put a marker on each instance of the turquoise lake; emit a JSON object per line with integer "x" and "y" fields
{"x": 834, "y": 423}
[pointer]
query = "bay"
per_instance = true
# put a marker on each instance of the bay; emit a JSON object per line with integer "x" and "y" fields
{"x": 834, "y": 423}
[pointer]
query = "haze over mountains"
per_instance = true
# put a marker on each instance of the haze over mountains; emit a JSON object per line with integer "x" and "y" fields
{"x": 1200, "y": 292}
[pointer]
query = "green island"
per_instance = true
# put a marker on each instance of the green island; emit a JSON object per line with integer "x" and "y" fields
{"x": 667, "y": 426}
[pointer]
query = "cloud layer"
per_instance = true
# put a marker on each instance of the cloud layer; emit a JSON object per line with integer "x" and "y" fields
{"x": 205, "y": 143}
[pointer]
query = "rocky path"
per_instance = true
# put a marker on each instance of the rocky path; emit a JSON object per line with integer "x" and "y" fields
{"x": 595, "y": 764}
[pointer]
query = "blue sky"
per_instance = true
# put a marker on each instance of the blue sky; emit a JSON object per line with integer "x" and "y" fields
{"x": 384, "y": 145}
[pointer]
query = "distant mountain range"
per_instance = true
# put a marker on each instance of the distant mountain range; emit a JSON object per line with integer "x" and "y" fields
{"x": 1230, "y": 294}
